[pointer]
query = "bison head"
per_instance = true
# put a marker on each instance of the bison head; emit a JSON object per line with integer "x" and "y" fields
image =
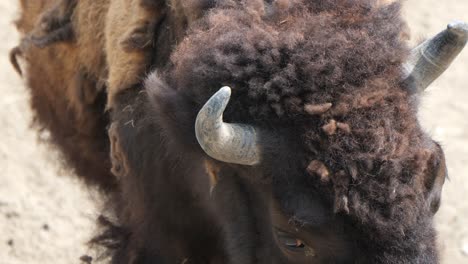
{"x": 315, "y": 153}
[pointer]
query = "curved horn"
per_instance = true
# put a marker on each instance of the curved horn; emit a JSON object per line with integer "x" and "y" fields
{"x": 430, "y": 59}
{"x": 233, "y": 143}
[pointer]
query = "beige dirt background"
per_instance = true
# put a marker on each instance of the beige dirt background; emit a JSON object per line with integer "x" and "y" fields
{"x": 47, "y": 216}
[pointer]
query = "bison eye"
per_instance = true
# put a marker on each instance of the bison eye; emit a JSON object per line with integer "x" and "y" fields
{"x": 294, "y": 244}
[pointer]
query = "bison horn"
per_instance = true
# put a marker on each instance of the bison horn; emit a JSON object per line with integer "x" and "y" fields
{"x": 233, "y": 143}
{"x": 430, "y": 59}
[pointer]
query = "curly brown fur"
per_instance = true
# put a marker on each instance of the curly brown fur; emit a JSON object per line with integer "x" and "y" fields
{"x": 280, "y": 57}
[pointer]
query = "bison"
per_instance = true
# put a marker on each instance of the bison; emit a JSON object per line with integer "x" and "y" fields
{"x": 311, "y": 152}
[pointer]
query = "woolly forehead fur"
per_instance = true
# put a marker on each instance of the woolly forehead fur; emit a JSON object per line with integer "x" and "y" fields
{"x": 285, "y": 55}
{"x": 329, "y": 70}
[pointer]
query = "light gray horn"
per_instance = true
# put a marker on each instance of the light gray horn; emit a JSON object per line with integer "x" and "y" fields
{"x": 232, "y": 143}
{"x": 430, "y": 59}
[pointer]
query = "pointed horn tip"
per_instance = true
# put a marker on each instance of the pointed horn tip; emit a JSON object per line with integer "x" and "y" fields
{"x": 225, "y": 90}
{"x": 222, "y": 95}
{"x": 459, "y": 27}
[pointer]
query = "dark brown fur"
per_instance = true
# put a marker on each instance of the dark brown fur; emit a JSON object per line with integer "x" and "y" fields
{"x": 69, "y": 105}
{"x": 383, "y": 174}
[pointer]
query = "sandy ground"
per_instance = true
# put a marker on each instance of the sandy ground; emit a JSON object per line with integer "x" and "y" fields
{"x": 46, "y": 216}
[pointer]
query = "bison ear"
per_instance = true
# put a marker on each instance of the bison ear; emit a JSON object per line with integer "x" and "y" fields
{"x": 435, "y": 181}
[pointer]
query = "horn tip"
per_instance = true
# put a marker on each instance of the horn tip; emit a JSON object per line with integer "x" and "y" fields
{"x": 224, "y": 94}
{"x": 225, "y": 90}
{"x": 459, "y": 27}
